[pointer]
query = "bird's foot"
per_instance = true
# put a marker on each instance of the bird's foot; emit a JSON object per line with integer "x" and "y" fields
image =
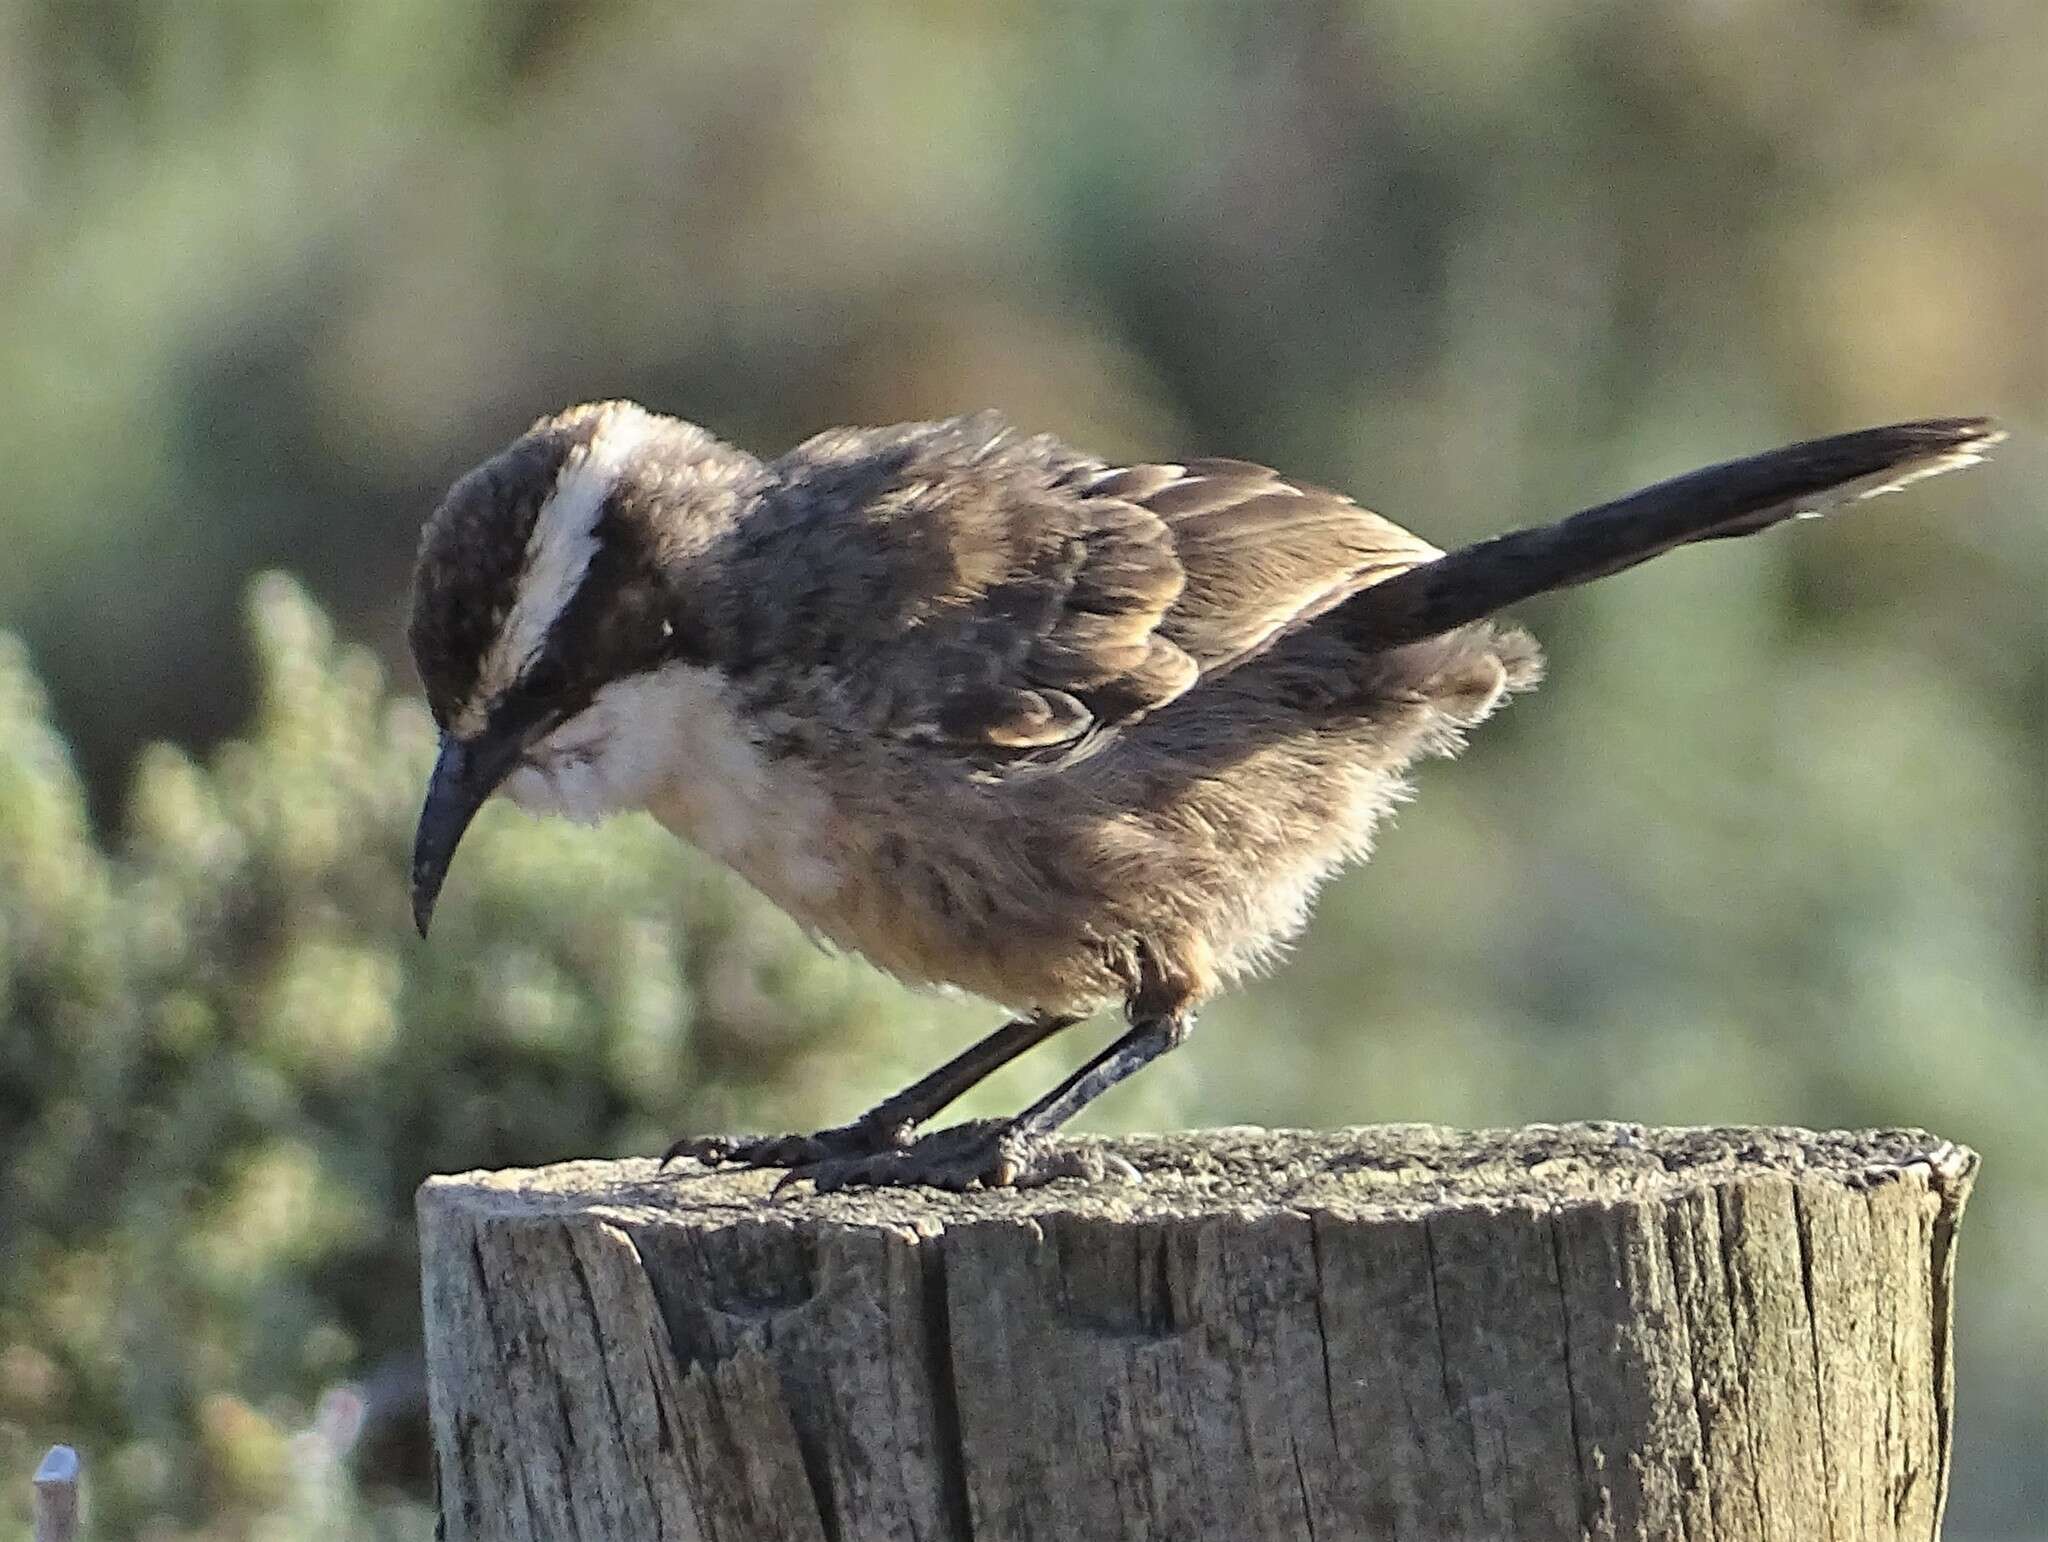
{"x": 983, "y": 1154}
{"x": 844, "y": 1142}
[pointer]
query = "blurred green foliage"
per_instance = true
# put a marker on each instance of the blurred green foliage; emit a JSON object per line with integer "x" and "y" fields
{"x": 227, "y": 1062}
{"x": 1770, "y": 844}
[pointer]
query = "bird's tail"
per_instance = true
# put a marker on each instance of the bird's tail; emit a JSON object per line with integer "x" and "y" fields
{"x": 1738, "y": 497}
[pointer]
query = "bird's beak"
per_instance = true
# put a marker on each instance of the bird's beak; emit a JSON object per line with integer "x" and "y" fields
{"x": 467, "y": 772}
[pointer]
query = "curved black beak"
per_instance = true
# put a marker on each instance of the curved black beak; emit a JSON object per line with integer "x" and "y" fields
{"x": 467, "y": 772}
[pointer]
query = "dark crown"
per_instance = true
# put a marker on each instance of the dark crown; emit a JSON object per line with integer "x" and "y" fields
{"x": 639, "y": 602}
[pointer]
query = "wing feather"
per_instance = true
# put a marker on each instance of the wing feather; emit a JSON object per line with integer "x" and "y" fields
{"x": 1263, "y": 554}
{"x": 1017, "y": 602}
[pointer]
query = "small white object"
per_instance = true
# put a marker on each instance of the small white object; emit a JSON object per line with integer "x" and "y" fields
{"x": 59, "y": 1466}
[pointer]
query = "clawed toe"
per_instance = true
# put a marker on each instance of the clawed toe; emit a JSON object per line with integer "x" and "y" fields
{"x": 746, "y": 1150}
{"x": 842, "y": 1142}
{"x": 990, "y": 1154}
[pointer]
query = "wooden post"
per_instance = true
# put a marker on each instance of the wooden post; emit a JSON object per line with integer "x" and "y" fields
{"x": 56, "y": 1483}
{"x": 1552, "y": 1333}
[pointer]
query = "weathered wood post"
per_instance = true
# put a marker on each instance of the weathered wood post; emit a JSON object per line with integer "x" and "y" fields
{"x": 1588, "y": 1331}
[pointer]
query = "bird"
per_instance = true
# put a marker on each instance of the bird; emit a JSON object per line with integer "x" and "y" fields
{"x": 999, "y": 715}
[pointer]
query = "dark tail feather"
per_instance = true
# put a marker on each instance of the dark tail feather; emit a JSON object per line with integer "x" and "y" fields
{"x": 1739, "y": 497}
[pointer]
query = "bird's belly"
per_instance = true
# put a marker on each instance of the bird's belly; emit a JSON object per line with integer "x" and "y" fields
{"x": 1034, "y": 894}
{"x": 1008, "y": 951}
{"x": 932, "y": 906}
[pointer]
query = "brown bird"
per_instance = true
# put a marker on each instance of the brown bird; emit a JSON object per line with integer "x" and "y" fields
{"x": 995, "y": 713}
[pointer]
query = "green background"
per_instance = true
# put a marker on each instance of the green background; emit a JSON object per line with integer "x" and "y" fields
{"x": 1770, "y": 845}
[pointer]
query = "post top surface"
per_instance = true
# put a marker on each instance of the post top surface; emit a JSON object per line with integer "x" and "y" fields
{"x": 1367, "y": 1172}
{"x": 59, "y": 1466}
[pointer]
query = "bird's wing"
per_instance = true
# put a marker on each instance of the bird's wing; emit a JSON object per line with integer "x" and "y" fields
{"x": 1015, "y": 602}
{"x": 1261, "y": 553}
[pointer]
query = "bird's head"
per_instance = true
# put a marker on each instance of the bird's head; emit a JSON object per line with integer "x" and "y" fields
{"x": 550, "y": 580}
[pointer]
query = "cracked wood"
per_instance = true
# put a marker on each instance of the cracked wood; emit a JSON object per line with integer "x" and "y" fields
{"x": 1590, "y": 1331}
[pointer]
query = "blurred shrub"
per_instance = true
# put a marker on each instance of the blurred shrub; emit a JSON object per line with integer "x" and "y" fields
{"x": 227, "y": 1062}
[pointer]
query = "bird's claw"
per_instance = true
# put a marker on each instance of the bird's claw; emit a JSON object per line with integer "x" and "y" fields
{"x": 987, "y": 1154}
{"x": 842, "y": 1142}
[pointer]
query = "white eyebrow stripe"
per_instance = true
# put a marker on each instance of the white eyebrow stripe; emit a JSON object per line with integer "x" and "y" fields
{"x": 559, "y": 550}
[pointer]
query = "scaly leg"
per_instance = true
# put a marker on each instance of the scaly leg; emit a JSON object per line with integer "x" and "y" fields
{"x": 1017, "y": 1152}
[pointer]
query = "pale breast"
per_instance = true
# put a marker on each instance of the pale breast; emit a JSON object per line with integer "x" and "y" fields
{"x": 671, "y": 742}
{"x": 764, "y": 816}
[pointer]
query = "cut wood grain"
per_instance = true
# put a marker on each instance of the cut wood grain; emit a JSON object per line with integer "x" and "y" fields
{"x": 1415, "y": 1333}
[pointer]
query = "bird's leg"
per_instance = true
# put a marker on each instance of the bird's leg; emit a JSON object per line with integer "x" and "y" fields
{"x": 889, "y": 1125}
{"x": 1147, "y": 1039}
{"x": 1018, "y": 1152}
